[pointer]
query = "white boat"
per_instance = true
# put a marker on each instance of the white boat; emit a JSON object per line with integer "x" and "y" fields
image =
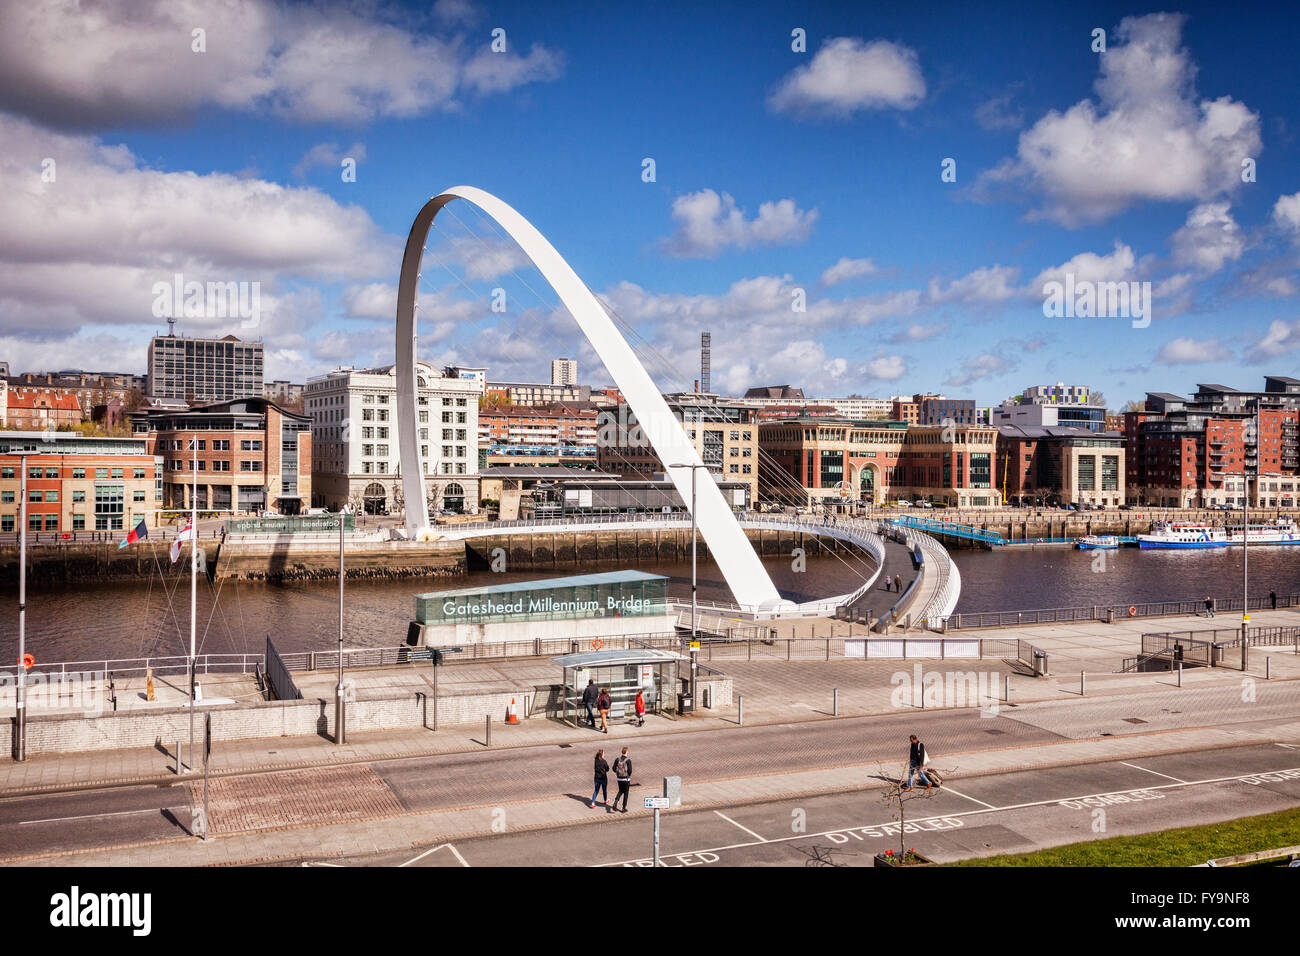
{"x": 1184, "y": 534}
{"x": 1278, "y": 531}
{"x": 1098, "y": 542}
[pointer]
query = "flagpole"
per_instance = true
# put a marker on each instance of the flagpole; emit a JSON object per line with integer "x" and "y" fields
{"x": 194, "y": 579}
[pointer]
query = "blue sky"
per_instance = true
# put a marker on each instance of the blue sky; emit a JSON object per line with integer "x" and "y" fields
{"x": 777, "y": 174}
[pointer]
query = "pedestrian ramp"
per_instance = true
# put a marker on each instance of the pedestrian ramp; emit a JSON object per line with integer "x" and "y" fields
{"x": 935, "y": 526}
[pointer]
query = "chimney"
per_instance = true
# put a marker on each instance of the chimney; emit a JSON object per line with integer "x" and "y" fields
{"x": 697, "y": 386}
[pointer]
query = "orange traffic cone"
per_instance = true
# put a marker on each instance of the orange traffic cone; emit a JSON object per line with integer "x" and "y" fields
{"x": 511, "y": 716}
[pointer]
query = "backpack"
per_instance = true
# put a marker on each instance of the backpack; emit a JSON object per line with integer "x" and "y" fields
{"x": 620, "y": 766}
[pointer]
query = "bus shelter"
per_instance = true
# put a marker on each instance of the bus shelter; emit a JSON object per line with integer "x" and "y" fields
{"x": 622, "y": 673}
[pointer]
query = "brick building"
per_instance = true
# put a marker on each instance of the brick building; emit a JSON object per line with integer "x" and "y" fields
{"x": 78, "y": 483}
{"x": 35, "y": 407}
{"x": 537, "y": 434}
{"x": 253, "y": 455}
{"x": 1060, "y": 464}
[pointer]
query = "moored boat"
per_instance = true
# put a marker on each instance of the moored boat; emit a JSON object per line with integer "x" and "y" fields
{"x": 1098, "y": 542}
{"x": 1184, "y": 534}
{"x": 1278, "y": 531}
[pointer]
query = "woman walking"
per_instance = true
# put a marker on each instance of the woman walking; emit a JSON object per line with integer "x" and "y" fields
{"x": 602, "y": 781}
{"x": 603, "y": 703}
{"x": 640, "y": 708}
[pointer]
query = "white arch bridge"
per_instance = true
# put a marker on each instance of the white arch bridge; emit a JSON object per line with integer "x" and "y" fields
{"x": 933, "y": 597}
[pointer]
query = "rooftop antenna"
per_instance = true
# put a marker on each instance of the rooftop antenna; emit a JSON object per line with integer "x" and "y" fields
{"x": 171, "y": 326}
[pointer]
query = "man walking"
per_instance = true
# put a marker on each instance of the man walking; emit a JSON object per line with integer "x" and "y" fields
{"x": 1272, "y": 599}
{"x": 589, "y": 699}
{"x": 623, "y": 774}
{"x": 603, "y": 704}
{"x": 1209, "y": 606}
{"x": 898, "y": 583}
{"x": 916, "y": 761}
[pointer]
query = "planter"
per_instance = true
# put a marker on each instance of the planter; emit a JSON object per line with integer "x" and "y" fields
{"x": 894, "y": 860}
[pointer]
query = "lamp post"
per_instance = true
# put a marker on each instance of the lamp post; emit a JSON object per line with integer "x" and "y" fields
{"x": 694, "y": 579}
{"x": 20, "y": 700}
{"x": 340, "y": 732}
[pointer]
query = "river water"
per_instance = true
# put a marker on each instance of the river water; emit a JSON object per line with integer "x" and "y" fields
{"x": 152, "y": 619}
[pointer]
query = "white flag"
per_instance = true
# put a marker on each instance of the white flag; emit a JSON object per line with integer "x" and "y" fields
{"x": 186, "y": 534}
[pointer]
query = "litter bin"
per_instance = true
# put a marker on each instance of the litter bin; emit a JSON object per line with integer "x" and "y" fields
{"x": 1040, "y": 663}
{"x": 686, "y": 700}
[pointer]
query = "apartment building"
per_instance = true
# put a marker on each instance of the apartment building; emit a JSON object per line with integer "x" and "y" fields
{"x": 1054, "y": 465}
{"x": 536, "y": 435}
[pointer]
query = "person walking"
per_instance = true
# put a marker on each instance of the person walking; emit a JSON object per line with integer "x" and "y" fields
{"x": 917, "y": 758}
{"x": 898, "y": 583}
{"x": 589, "y": 696}
{"x": 623, "y": 774}
{"x": 1272, "y": 599}
{"x": 640, "y": 708}
{"x": 603, "y": 703}
{"x": 1209, "y": 606}
{"x": 602, "y": 781}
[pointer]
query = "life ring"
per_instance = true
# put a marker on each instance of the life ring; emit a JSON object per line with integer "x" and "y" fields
{"x": 28, "y": 662}
{"x": 1132, "y": 610}
{"x": 597, "y": 644}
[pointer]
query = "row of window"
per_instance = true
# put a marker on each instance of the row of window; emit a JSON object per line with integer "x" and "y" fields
{"x": 8, "y": 472}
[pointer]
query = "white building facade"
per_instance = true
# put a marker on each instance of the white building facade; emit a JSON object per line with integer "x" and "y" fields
{"x": 355, "y": 456}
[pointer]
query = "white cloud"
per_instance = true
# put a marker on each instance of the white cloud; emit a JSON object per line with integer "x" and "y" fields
{"x": 848, "y": 74}
{"x": 1209, "y": 239}
{"x": 374, "y": 300}
{"x": 1286, "y": 213}
{"x": 980, "y": 367}
{"x": 708, "y": 222}
{"x": 920, "y": 333}
{"x": 1146, "y": 138}
{"x": 328, "y": 154}
{"x": 847, "y": 269}
{"x": 885, "y": 368}
{"x": 997, "y": 113}
{"x": 457, "y": 11}
{"x": 989, "y": 284}
{"x": 115, "y": 62}
{"x": 1118, "y": 266}
{"x": 1188, "y": 351}
{"x": 1282, "y": 338}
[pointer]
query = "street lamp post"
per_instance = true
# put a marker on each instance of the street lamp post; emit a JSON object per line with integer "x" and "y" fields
{"x": 20, "y": 701}
{"x": 694, "y": 579}
{"x": 340, "y": 732}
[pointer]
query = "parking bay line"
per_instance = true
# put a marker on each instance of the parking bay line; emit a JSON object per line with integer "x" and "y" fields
{"x": 454, "y": 852}
{"x": 966, "y": 813}
{"x": 92, "y": 816}
{"x": 1156, "y": 772}
{"x": 956, "y": 793}
{"x": 745, "y": 828}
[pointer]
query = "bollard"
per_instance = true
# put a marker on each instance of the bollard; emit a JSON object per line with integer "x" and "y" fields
{"x": 835, "y": 702}
{"x": 1180, "y": 673}
{"x": 1006, "y": 688}
{"x": 1268, "y": 668}
{"x": 1083, "y": 687}
{"x": 487, "y": 734}
{"x": 740, "y": 710}
{"x": 178, "y": 757}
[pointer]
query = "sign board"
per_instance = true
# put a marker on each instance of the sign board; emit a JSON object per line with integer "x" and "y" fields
{"x": 656, "y": 803}
{"x": 695, "y": 645}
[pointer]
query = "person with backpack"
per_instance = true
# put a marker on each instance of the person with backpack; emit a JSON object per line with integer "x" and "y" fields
{"x": 916, "y": 761}
{"x": 603, "y": 703}
{"x": 623, "y": 774}
{"x": 602, "y": 781}
{"x": 640, "y": 708}
{"x": 589, "y": 696}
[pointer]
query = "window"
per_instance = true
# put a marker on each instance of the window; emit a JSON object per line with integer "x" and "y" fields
{"x": 51, "y": 472}
{"x": 78, "y": 496}
{"x": 137, "y": 472}
{"x": 117, "y": 472}
{"x": 250, "y": 466}
{"x": 250, "y": 445}
{"x": 6, "y": 472}
{"x": 137, "y": 495}
{"x": 34, "y": 522}
{"x": 34, "y": 472}
{"x": 78, "y": 522}
{"x": 51, "y": 522}
{"x": 203, "y": 444}
{"x": 221, "y": 466}
{"x": 460, "y": 418}
{"x": 52, "y": 496}
{"x": 33, "y": 494}
{"x": 7, "y": 522}
{"x": 447, "y": 434}
{"x": 7, "y": 497}
{"x": 367, "y": 414}
{"x": 368, "y": 431}
{"x": 221, "y": 444}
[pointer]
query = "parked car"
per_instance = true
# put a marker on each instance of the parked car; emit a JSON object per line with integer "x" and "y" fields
{"x": 900, "y": 503}
{"x": 923, "y": 504}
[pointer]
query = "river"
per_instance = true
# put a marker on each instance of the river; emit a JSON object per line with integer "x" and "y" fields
{"x": 135, "y": 620}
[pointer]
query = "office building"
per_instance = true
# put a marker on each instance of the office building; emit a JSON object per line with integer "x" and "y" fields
{"x": 354, "y": 427}
{"x": 204, "y": 370}
{"x": 564, "y": 371}
{"x": 1061, "y": 465}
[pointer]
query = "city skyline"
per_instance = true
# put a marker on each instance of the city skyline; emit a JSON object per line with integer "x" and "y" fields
{"x": 779, "y": 175}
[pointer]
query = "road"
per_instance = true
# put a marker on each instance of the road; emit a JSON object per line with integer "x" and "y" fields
{"x": 390, "y": 789}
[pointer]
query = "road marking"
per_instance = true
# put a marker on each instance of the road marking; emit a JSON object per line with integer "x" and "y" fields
{"x": 958, "y": 794}
{"x": 1248, "y": 777}
{"x": 735, "y": 824}
{"x": 316, "y": 863}
{"x": 1156, "y": 772}
{"x": 447, "y": 846}
{"x": 92, "y": 816}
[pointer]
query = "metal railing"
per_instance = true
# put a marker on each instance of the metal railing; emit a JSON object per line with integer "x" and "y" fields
{"x": 138, "y": 666}
{"x": 278, "y": 677}
{"x": 1107, "y": 612}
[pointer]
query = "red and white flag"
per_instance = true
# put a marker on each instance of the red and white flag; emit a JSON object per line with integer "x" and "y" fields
{"x": 186, "y": 534}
